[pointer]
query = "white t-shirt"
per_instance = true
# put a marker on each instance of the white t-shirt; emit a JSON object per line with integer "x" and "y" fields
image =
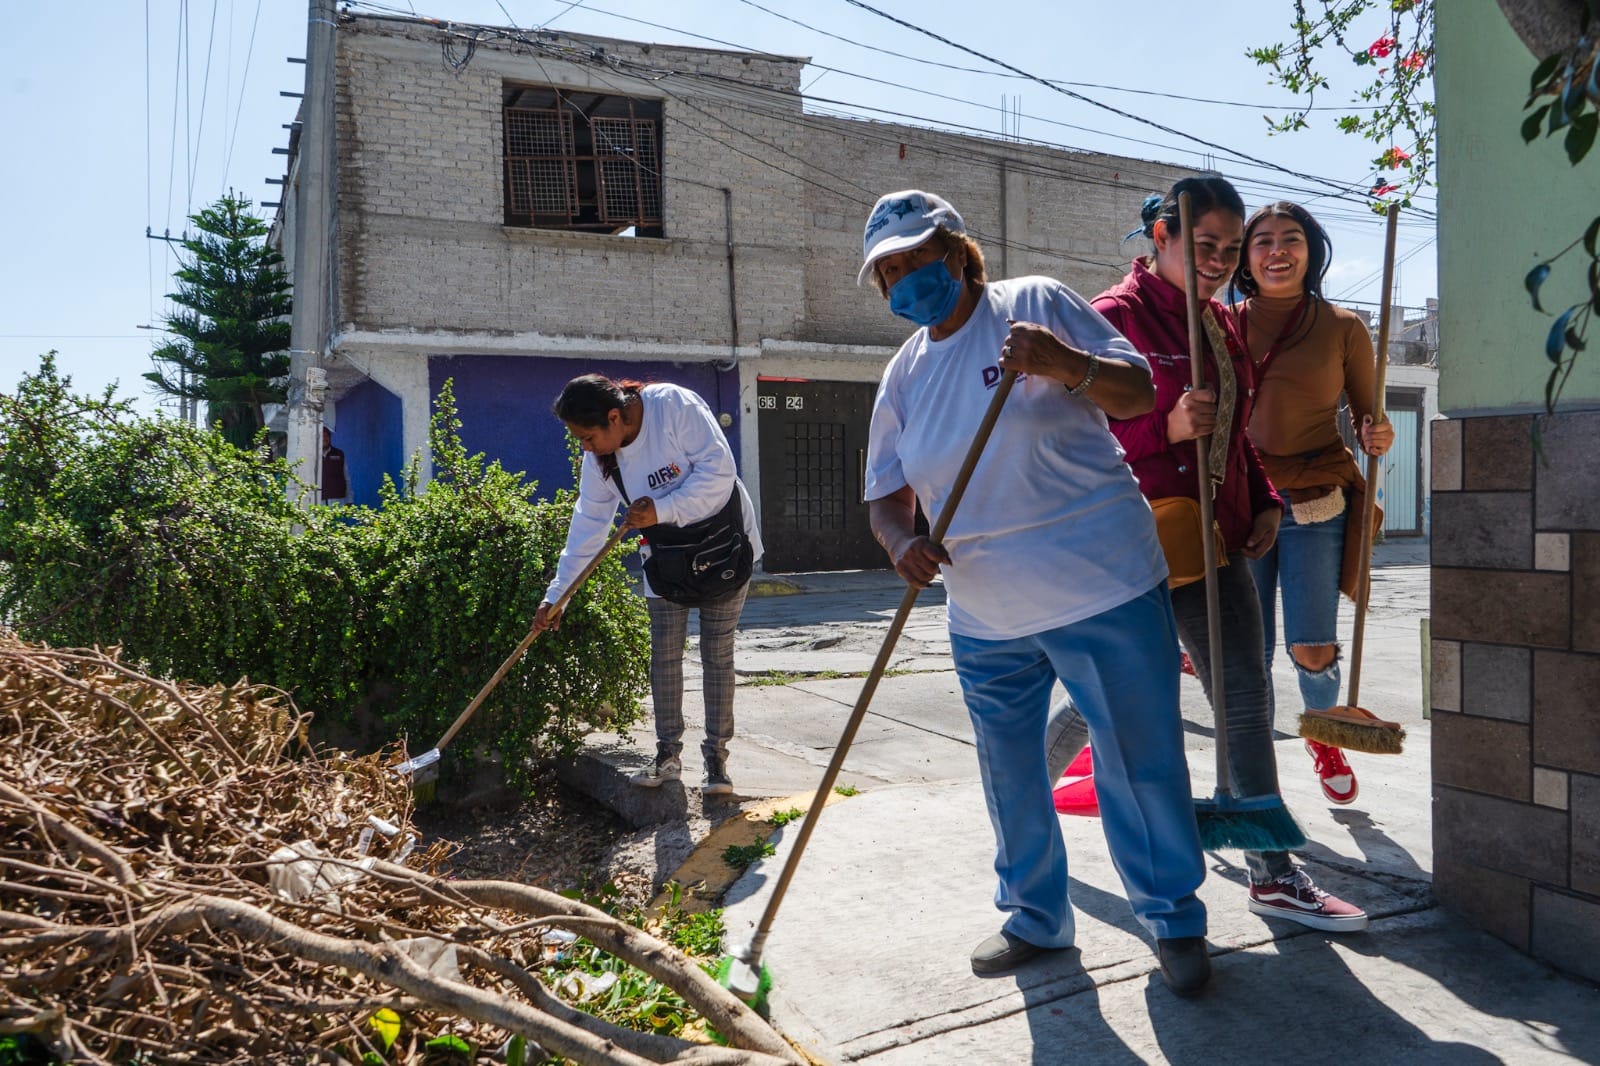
{"x": 680, "y": 459}
{"x": 1052, "y": 529}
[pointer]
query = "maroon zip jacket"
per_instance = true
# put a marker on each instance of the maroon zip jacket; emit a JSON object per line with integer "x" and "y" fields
{"x": 1150, "y": 311}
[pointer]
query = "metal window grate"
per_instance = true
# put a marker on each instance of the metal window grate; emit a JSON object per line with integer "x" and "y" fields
{"x": 815, "y": 494}
{"x": 538, "y": 133}
{"x": 625, "y": 156}
{"x": 571, "y": 166}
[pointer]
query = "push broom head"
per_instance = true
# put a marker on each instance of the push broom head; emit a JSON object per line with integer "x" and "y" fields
{"x": 1354, "y": 729}
{"x": 745, "y": 981}
{"x": 424, "y": 773}
{"x": 1251, "y": 823}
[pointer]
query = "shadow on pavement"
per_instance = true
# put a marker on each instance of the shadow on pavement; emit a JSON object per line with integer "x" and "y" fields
{"x": 1092, "y": 1040}
{"x": 1302, "y": 1006}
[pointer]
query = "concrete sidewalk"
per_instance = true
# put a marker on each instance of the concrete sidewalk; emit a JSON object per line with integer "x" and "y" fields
{"x": 869, "y": 953}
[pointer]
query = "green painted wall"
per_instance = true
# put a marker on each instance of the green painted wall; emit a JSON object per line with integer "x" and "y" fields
{"x": 1503, "y": 206}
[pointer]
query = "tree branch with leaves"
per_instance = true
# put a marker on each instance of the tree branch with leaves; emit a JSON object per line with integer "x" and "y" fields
{"x": 1401, "y": 116}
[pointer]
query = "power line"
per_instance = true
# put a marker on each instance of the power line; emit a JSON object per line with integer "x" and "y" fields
{"x": 1341, "y": 189}
{"x": 1096, "y": 103}
{"x": 172, "y": 143}
{"x": 570, "y": 5}
{"x": 149, "y": 167}
{"x": 871, "y": 195}
{"x": 1054, "y": 81}
{"x": 1376, "y": 275}
{"x": 737, "y": 88}
{"x": 1324, "y": 185}
{"x": 205, "y": 93}
{"x": 244, "y": 83}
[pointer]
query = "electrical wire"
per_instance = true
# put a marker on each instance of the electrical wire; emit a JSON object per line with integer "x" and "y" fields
{"x": 738, "y": 94}
{"x": 172, "y": 143}
{"x": 244, "y": 83}
{"x": 588, "y": 58}
{"x": 1377, "y": 274}
{"x": 1337, "y": 186}
{"x": 582, "y": 53}
{"x": 1054, "y": 81}
{"x": 570, "y": 5}
{"x": 870, "y": 195}
{"x": 1325, "y": 186}
{"x": 149, "y": 169}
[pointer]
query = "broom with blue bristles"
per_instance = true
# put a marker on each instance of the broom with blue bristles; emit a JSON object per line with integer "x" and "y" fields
{"x": 1253, "y": 823}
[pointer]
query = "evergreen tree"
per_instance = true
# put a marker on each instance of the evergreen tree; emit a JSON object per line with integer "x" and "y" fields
{"x": 231, "y": 336}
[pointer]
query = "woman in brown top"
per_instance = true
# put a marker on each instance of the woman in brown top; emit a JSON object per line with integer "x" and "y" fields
{"x": 1307, "y": 353}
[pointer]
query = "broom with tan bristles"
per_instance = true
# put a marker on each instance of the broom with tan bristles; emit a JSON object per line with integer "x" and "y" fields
{"x": 1352, "y": 726}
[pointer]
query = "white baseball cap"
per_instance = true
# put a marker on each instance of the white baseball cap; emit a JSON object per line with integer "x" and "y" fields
{"x": 904, "y": 220}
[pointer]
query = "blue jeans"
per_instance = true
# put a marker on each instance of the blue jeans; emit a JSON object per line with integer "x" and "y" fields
{"x": 1305, "y": 561}
{"x": 1252, "y": 764}
{"x": 1121, "y": 667}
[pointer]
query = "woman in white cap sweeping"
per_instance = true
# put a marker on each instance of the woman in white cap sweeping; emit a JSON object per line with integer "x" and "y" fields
{"x": 1051, "y": 568}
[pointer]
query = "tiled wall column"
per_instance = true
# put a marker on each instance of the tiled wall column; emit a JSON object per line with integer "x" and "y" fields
{"x": 1516, "y": 681}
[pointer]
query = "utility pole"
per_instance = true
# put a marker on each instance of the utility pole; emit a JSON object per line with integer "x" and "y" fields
{"x": 309, "y": 326}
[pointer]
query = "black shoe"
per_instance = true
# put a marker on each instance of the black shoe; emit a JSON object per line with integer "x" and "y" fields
{"x": 716, "y": 782}
{"x": 1001, "y": 952}
{"x": 1185, "y": 963}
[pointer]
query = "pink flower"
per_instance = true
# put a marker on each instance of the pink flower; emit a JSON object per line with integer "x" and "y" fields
{"x": 1384, "y": 189}
{"x": 1381, "y": 48}
{"x": 1414, "y": 61}
{"x": 1393, "y": 158}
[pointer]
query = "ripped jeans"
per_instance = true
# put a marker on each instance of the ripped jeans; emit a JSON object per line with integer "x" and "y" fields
{"x": 1305, "y": 562}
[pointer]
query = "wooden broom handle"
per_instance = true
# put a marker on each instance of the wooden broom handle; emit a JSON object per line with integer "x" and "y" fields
{"x": 941, "y": 525}
{"x": 1203, "y": 445}
{"x": 505, "y": 667}
{"x": 1370, "y": 501}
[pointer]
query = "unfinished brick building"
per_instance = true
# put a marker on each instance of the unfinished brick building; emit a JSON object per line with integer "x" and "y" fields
{"x": 513, "y": 212}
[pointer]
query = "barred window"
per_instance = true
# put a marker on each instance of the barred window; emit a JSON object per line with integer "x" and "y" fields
{"x": 582, "y": 161}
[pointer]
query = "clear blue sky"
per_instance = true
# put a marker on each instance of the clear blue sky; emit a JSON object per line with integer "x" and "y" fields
{"x": 127, "y": 115}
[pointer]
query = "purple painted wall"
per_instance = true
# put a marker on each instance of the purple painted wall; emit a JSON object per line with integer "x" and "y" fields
{"x": 504, "y": 404}
{"x": 368, "y": 429}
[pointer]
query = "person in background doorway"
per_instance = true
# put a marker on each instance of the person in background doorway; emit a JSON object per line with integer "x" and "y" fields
{"x": 1307, "y": 353}
{"x": 1051, "y": 569}
{"x": 335, "y": 485}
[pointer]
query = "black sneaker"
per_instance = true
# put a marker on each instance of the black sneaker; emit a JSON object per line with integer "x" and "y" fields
{"x": 717, "y": 782}
{"x": 1185, "y": 963}
{"x": 662, "y": 769}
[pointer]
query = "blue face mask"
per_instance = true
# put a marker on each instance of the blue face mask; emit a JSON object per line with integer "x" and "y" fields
{"x": 927, "y": 295}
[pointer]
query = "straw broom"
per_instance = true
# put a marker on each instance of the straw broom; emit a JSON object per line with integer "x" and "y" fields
{"x": 1351, "y": 725}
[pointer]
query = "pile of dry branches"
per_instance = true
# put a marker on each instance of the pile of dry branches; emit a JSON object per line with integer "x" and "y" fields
{"x": 148, "y": 911}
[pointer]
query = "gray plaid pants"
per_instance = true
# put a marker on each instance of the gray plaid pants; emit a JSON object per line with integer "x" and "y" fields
{"x": 669, "y": 631}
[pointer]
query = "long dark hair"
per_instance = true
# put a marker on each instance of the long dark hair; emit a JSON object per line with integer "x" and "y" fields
{"x": 1319, "y": 250}
{"x": 589, "y": 399}
{"x": 1206, "y": 193}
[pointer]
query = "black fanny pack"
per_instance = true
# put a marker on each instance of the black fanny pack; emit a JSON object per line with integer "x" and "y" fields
{"x": 700, "y": 562}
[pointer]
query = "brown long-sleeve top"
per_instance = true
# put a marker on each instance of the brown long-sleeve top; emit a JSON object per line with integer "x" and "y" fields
{"x": 1300, "y": 376}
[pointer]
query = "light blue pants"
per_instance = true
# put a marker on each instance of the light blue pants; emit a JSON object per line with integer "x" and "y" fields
{"x": 1121, "y": 668}
{"x": 1305, "y": 561}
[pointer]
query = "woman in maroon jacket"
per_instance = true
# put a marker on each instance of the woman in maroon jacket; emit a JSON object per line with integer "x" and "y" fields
{"x": 1149, "y": 307}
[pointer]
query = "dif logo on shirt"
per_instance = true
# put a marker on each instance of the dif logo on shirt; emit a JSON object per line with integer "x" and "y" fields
{"x": 661, "y": 477}
{"x": 991, "y": 377}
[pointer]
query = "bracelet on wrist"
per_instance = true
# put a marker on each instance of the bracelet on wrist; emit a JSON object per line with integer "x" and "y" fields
{"x": 1088, "y": 376}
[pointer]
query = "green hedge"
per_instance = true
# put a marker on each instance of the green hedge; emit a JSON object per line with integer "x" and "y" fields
{"x": 168, "y": 540}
